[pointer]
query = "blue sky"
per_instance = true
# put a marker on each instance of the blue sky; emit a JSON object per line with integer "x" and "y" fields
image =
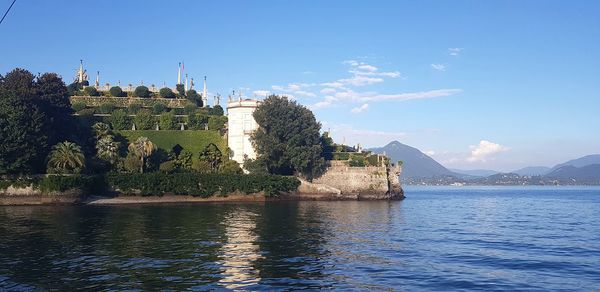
{"x": 476, "y": 84}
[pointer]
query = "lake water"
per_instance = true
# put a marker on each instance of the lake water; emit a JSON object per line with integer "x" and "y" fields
{"x": 437, "y": 239}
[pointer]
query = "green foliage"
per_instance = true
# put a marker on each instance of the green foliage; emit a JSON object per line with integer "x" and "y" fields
{"x": 184, "y": 160}
{"x": 132, "y": 163}
{"x": 167, "y": 121}
{"x": 116, "y": 91}
{"x": 201, "y": 166}
{"x": 180, "y": 89}
{"x": 194, "y": 97}
{"x": 58, "y": 183}
{"x": 190, "y": 109}
{"x": 341, "y": 156}
{"x": 107, "y": 149}
{"x": 216, "y": 123}
{"x": 23, "y": 133}
{"x": 166, "y": 92}
{"x": 119, "y": 120}
{"x": 144, "y": 120}
{"x": 197, "y": 122}
{"x": 66, "y": 158}
{"x": 158, "y": 108}
{"x": 357, "y": 161}
{"x": 78, "y": 106}
{"x": 134, "y": 108}
{"x": 91, "y": 91}
{"x": 288, "y": 139}
{"x": 101, "y": 130}
{"x": 212, "y": 155}
{"x": 141, "y": 91}
{"x": 230, "y": 167}
{"x": 168, "y": 166}
{"x": 204, "y": 185}
{"x": 372, "y": 160}
{"x": 142, "y": 148}
{"x": 217, "y": 110}
{"x": 193, "y": 141}
{"x": 256, "y": 166}
{"x": 106, "y": 108}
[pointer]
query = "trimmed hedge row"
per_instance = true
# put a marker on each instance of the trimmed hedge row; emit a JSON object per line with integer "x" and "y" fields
{"x": 203, "y": 185}
{"x": 58, "y": 183}
{"x": 124, "y": 102}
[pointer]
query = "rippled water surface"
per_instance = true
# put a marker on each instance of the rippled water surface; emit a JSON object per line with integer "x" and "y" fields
{"x": 436, "y": 239}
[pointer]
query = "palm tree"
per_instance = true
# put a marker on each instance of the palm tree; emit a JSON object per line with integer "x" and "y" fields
{"x": 66, "y": 157}
{"x": 101, "y": 130}
{"x": 142, "y": 148}
{"x": 107, "y": 149}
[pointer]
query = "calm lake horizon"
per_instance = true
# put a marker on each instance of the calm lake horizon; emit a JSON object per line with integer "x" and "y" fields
{"x": 438, "y": 238}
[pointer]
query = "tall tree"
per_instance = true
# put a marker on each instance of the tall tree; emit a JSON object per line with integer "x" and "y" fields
{"x": 212, "y": 155}
{"x": 53, "y": 99}
{"x": 288, "y": 140}
{"x": 107, "y": 149}
{"x": 23, "y": 137}
{"x": 142, "y": 148}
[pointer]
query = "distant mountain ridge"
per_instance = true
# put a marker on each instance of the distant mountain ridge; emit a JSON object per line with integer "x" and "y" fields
{"x": 416, "y": 164}
{"x": 419, "y": 168}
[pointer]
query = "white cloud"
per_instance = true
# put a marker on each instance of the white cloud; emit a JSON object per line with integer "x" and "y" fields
{"x": 485, "y": 149}
{"x": 439, "y": 67}
{"x": 367, "y": 67}
{"x": 454, "y": 51}
{"x": 328, "y": 90}
{"x": 360, "y": 80}
{"x": 429, "y": 152}
{"x": 261, "y": 93}
{"x": 360, "y": 109}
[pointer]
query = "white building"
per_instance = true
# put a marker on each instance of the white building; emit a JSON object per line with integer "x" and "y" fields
{"x": 240, "y": 126}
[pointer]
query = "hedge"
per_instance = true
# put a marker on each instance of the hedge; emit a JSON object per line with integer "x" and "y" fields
{"x": 124, "y": 102}
{"x": 59, "y": 183}
{"x": 203, "y": 185}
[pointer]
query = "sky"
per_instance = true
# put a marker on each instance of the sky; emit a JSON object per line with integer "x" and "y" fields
{"x": 474, "y": 84}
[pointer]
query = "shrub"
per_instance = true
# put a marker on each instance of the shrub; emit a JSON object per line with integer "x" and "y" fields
{"x": 216, "y": 122}
{"x": 201, "y": 166}
{"x": 106, "y": 108}
{"x": 166, "y": 93}
{"x": 78, "y": 106}
{"x": 131, "y": 163}
{"x": 167, "y": 166}
{"x": 204, "y": 185}
{"x": 357, "y": 161}
{"x": 372, "y": 160}
{"x": 134, "y": 108}
{"x": 341, "y": 156}
{"x": 116, "y": 91}
{"x": 141, "y": 91}
{"x": 91, "y": 91}
{"x": 119, "y": 120}
{"x": 197, "y": 122}
{"x": 190, "y": 109}
{"x": 144, "y": 120}
{"x": 180, "y": 90}
{"x": 217, "y": 110}
{"x": 158, "y": 108}
{"x": 58, "y": 183}
{"x": 167, "y": 121}
{"x": 231, "y": 167}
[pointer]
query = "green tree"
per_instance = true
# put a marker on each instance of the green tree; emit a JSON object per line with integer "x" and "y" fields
{"x": 217, "y": 110}
{"x": 197, "y": 121}
{"x": 158, "y": 108}
{"x": 107, "y": 149}
{"x": 216, "y": 123}
{"x": 144, "y": 120}
{"x": 167, "y": 121}
{"x": 116, "y": 91}
{"x": 212, "y": 155}
{"x": 119, "y": 120}
{"x": 23, "y": 142}
{"x": 230, "y": 167}
{"x": 91, "y": 91}
{"x": 52, "y": 98}
{"x": 193, "y": 96}
{"x": 166, "y": 92}
{"x": 184, "y": 160}
{"x": 142, "y": 148}
{"x": 134, "y": 108}
{"x": 288, "y": 140}
{"x": 190, "y": 109}
{"x": 141, "y": 91}
{"x": 66, "y": 157}
{"x": 180, "y": 90}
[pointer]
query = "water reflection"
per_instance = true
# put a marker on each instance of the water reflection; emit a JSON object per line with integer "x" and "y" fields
{"x": 239, "y": 251}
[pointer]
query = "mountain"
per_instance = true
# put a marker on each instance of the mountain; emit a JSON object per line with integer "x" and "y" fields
{"x": 475, "y": 172}
{"x": 580, "y": 162}
{"x": 585, "y": 174}
{"x": 532, "y": 170}
{"x": 416, "y": 164}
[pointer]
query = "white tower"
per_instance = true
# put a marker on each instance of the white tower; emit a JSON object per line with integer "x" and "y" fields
{"x": 240, "y": 125}
{"x": 179, "y": 74}
{"x": 204, "y": 95}
{"x": 97, "y": 79}
{"x": 185, "y": 87}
